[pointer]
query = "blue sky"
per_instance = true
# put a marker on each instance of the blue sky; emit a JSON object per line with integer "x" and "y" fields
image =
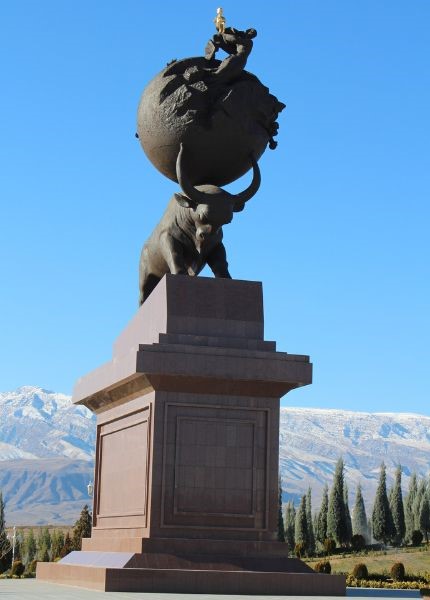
{"x": 338, "y": 232}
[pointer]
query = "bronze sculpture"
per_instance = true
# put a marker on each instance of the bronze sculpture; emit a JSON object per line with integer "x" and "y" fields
{"x": 203, "y": 123}
{"x": 189, "y": 234}
{"x": 186, "y": 494}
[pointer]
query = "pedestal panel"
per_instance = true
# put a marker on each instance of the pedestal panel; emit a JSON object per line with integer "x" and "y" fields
{"x": 122, "y": 477}
{"x": 215, "y": 466}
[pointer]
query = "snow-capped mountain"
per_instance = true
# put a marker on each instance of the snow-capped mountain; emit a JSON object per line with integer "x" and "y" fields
{"x": 312, "y": 440}
{"x": 46, "y": 456}
{"x": 35, "y": 423}
{"x": 47, "y": 452}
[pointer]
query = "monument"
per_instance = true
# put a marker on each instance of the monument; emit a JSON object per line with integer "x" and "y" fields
{"x": 186, "y": 475}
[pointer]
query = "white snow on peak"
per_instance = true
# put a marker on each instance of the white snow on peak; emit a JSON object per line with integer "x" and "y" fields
{"x": 342, "y": 412}
{"x": 45, "y": 424}
{"x": 9, "y": 452}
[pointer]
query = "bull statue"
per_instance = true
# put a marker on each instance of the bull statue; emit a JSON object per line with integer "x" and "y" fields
{"x": 189, "y": 235}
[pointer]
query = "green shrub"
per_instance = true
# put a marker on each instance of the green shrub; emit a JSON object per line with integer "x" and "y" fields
{"x": 299, "y": 549}
{"x": 31, "y": 568}
{"x": 398, "y": 571}
{"x": 323, "y": 566}
{"x": 377, "y": 583}
{"x": 358, "y": 542}
{"x": 329, "y": 546}
{"x": 17, "y": 569}
{"x": 360, "y": 571}
{"x": 416, "y": 537}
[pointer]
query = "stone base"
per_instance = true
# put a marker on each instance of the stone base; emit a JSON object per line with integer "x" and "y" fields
{"x": 193, "y": 566}
{"x": 186, "y": 475}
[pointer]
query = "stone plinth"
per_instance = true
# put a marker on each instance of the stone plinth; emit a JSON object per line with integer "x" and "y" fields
{"x": 186, "y": 476}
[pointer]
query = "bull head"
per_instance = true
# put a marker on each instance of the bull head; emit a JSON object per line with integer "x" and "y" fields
{"x": 206, "y": 193}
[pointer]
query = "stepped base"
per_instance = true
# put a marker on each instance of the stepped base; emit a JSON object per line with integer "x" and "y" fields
{"x": 193, "y": 566}
{"x": 188, "y": 581}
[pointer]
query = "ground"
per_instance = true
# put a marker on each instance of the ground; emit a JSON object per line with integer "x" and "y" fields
{"x": 30, "y": 589}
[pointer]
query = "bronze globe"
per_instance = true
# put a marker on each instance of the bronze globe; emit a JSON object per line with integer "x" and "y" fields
{"x": 221, "y": 113}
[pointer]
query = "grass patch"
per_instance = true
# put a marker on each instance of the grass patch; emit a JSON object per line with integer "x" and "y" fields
{"x": 417, "y": 562}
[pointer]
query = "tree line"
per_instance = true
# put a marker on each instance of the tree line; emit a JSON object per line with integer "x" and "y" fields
{"x": 395, "y": 519}
{"x": 45, "y": 545}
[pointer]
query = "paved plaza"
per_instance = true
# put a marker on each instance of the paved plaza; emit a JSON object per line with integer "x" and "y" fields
{"x": 30, "y": 589}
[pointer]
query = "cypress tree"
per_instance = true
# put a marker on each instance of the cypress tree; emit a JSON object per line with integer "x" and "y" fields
{"x": 3, "y": 535}
{"x": 359, "y": 517}
{"x": 336, "y": 518}
{"x": 43, "y": 544}
{"x": 321, "y": 529}
{"x": 68, "y": 546}
{"x": 82, "y": 528}
{"x": 5, "y": 547}
{"x": 408, "y": 507}
{"x": 315, "y": 526}
{"x": 281, "y": 527}
{"x": 19, "y": 541}
{"x": 397, "y": 510}
{"x": 370, "y": 530}
{"x": 43, "y": 552}
{"x": 39, "y": 539}
{"x": 301, "y": 535}
{"x": 416, "y": 506}
{"x": 46, "y": 536}
{"x": 60, "y": 541}
{"x": 30, "y": 549}
{"x": 348, "y": 521}
{"x": 290, "y": 518}
{"x": 57, "y": 543}
{"x": 311, "y": 535}
{"x": 425, "y": 517}
{"x": 382, "y": 521}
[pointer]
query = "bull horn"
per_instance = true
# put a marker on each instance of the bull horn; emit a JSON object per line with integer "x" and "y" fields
{"x": 199, "y": 197}
{"x": 189, "y": 190}
{"x": 253, "y": 187}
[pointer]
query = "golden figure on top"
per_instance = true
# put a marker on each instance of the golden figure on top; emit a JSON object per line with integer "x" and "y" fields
{"x": 219, "y": 21}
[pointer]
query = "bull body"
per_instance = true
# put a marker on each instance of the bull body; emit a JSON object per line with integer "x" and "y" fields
{"x": 189, "y": 235}
{"x": 184, "y": 241}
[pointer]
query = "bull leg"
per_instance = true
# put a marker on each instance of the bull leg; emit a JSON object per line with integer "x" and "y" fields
{"x": 173, "y": 255}
{"x": 149, "y": 285}
{"x": 147, "y": 282}
{"x": 217, "y": 261}
{"x": 143, "y": 274}
{"x": 147, "y": 278}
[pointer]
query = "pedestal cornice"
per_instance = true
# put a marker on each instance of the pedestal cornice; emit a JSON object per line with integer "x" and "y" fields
{"x": 195, "y": 334}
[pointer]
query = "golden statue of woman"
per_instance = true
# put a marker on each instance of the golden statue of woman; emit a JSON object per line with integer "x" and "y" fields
{"x": 219, "y": 21}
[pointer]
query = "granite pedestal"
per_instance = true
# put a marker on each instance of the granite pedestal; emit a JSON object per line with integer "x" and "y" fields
{"x": 186, "y": 475}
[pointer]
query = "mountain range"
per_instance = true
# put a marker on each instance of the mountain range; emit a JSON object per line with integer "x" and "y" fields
{"x": 312, "y": 440}
{"x": 47, "y": 452}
